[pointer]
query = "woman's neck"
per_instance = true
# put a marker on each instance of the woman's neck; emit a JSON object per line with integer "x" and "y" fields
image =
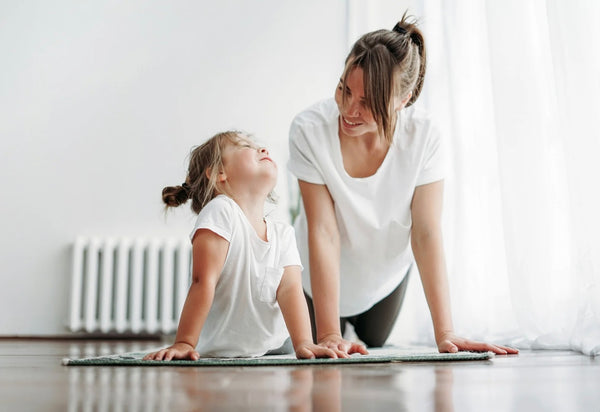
{"x": 363, "y": 155}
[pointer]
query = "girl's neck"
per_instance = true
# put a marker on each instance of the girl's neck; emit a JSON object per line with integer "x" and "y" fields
{"x": 253, "y": 209}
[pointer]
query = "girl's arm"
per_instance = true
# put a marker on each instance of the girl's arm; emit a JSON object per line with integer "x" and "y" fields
{"x": 209, "y": 253}
{"x": 324, "y": 256}
{"x": 426, "y": 238}
{"x": 295, "y": 313}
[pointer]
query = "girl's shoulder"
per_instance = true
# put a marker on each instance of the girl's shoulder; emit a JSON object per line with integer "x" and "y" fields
{"x": 218, "y": 215}
{"x": 218, "y": 204}
{"x": 219, "y": 210}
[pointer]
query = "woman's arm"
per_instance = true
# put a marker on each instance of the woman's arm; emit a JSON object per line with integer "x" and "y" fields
{"x": 324, "y": 257}
{"x": 426, "y": 238}
{"x": 295, "y": 313}
{"x": 209, "y": 253}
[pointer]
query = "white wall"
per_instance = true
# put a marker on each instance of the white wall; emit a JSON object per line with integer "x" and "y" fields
{"x": 100, "y": 103}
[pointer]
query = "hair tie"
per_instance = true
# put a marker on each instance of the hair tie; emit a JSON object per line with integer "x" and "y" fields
{"x": 186, "y": 188}
{"x": 399, "y": 29}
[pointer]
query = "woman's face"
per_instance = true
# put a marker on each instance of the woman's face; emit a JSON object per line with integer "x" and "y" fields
{"x": 356, "y": 118}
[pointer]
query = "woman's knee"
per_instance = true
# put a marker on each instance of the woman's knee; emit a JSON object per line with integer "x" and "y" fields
{"x": 372, "y": 340}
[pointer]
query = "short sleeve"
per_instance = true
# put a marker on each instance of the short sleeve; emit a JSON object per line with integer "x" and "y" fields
{"x": 289, "y": 250}
{"x": 302, "y": 163}
{"x": 216, "y": 216}
{"x": 433, "y": 163}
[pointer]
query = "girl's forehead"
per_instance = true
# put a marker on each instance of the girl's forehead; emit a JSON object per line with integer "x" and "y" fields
{"x": 242, "y": 139}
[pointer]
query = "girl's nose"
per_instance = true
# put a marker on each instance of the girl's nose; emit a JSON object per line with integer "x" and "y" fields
{"x": 263, "y": 150}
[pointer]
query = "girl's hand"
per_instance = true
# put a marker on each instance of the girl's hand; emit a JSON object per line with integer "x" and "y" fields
{"x": 308, "y": 350}
{"x": 342, "y": 347}
{"x": 179, "y": 350}
{"x": 452, "y": 343}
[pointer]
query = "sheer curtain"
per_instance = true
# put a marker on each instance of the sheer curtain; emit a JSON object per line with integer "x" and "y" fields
{"x": 515, "y": 88}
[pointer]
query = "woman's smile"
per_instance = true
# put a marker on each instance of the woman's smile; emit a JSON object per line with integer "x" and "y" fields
{"x": 349, "y": 123}
{"x": 355, "y": 116}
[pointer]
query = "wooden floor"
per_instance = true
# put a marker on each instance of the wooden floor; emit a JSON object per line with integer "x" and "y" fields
{"x": 33, "y": 379}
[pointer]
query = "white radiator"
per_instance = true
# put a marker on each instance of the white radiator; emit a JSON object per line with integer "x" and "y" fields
{"x": 128, "y": 285}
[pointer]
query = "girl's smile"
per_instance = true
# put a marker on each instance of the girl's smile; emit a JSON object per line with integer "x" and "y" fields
{"x": 248, "y": 167}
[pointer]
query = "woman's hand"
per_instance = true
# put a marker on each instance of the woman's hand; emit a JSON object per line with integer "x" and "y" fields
{"x": 342, "y": 347}
{"x": 308, "y": 350}
{"x": 449, "y": 342}
{"x": 179, "y": 350}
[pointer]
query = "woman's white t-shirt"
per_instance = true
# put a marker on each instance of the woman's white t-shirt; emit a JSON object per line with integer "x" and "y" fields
{"x": 373, "y": 213}
{"x": 245, "y": 318}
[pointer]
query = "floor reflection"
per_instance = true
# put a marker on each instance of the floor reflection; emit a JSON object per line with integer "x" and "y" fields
{"x": 298, "y": 389}
{"x": 443, "y": 388}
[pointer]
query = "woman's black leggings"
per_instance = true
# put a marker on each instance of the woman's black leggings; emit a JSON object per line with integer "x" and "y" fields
{"x": 374, "y": 326}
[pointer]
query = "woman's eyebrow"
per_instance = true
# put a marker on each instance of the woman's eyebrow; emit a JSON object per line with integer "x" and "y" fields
{"x": 363, "y": 98}
{"x": 342, "y": 83}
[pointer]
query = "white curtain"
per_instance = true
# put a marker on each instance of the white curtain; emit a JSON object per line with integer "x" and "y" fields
{"x": 515, "y": 87}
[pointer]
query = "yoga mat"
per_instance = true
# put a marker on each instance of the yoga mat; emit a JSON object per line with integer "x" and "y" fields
{"x": 378, "y": 355}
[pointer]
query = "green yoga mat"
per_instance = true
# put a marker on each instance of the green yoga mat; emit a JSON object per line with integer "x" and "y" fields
{"x": 380, "y": 355}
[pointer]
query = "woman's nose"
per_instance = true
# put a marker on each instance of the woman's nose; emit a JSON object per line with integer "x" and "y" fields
{"x": 353, "y": 107}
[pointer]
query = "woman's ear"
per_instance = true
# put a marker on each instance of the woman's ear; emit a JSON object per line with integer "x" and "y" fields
{"x": 400, "y": 103}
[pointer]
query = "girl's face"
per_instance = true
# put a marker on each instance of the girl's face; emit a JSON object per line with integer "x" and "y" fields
{"x": 247, "y": 165}
{"x": 356, "y": 118}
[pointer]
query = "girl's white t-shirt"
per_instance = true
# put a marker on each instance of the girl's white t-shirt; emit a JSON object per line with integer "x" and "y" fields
{"x": 373, "y": 213}
{"x": 245, "y": 318}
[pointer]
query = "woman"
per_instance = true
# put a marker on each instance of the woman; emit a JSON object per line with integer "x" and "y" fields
{"x": 370, "y": 173}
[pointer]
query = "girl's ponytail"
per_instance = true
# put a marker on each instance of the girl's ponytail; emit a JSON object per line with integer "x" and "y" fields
{"x": 201, "y": 181}
{"x": 174, "y": 196}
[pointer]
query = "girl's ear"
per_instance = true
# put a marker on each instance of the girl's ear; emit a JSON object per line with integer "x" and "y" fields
{"x": 221, "y": 178}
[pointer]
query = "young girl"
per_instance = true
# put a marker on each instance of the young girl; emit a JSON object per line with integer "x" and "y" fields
{"x": 246, "y": 274}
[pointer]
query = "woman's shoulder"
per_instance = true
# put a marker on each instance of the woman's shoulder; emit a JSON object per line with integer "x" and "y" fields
{"x": 416, "y": 116}
{"x": 315, "y": 126}
{"x": 417, "y": 122}
{"x": 319, "y": 114}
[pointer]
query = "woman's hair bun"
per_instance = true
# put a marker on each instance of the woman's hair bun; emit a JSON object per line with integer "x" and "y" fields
{"x": 407, "y": 26}
{"x": 399, "y": 28}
